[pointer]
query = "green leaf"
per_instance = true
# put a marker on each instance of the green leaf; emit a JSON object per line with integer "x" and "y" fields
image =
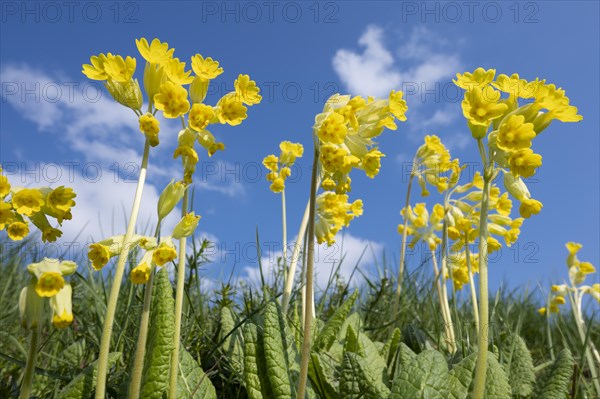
{"x": 389, "y": 352}
{"x": 425, "y": 378}
{"x": 155, "y": 379}
{"x": 360, "y": 380}
{"x": 255, "y": 374}
{"x": 328, "y": 334}
{"x": 404, "y": 357}
{"x": 496, "y": 380}
{"x": 353, "y": 320}
{"x": 460, "y": 377}
{"x": 521, "y": 373}
{"x": 84, "y": 384}
{"x": 323, "y": 375}
{"x": 280, "y": 353}
{"x": 554, "y": 383}
{"x": 351, "y": 344}
{"x": 192, "y": 383}
{"x": 233, "y": 344}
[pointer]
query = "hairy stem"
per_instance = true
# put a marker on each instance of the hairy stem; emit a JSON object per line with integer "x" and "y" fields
{"x": 27, "y": 383}
{"x": 140, "y": 349}
{"x": 116, "y": 285}
{"x": 404, "y": 239}
{"x": 482, "y": 337}
{"x": 444, "y": 306}
{"x": 576, "y": 308}
{"x": 472, "y": 284}
{"x": 309, "y": 280}
{"x": 178, "y": 306}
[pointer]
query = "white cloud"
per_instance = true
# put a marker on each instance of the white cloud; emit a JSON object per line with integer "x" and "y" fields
{"x": 375, "y": 71}
{"x": 348, "y": 250}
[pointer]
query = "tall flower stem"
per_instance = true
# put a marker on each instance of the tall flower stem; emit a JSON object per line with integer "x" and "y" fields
{"x": 589, "y": 348}
{"x": 178, "y": 305}
{"x": 401, "y": 266}
{"x": 309, "y": 279}
{"x": 116, "y": 286}
{"x": 30, "y": 366}
{"x": 472, "y": 285}
{"x": 444, "y": 306}
{"x": 482, "y": 337}
{"x": 140, "y": 349}
{"x": 289, "y": 281}
{"x": 284, "y": 236}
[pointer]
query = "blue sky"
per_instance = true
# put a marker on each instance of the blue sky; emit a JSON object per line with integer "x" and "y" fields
{"x": 300, "y": 53}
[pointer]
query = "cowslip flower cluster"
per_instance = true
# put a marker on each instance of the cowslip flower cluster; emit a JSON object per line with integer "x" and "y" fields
{"x": 165, "y": 78}
{"x": 344, "y": 134}
{"x": 100, "y": 253}
{"x": 578, "y": 272}
{"x": 47, "y": 284}
{"x": 512, "y": 112}
{"x": 159, "y": 255}
{"x": 280, "y": 167}
{"x": 432, "y": 160}
{"x": 333, "y": 212}
{"x": 346, "y": 129}
{"x": 20, "y": 205}
{"x": 422, "y": 225}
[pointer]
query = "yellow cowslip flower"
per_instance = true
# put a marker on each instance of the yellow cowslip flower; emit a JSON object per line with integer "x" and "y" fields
{"x": 231, "y": 110}
{"x": 333, "y": 212}
{"x": 58, "y": 202}
{"x": 150, "y": 126}
{"x": 49, "y": 278}
{"x": 481, "y": 106}
{"x": 62, "y": 308}
{"x": 289, "y": 152}
{"x": 206, "y": 68}
{"x": 517, "y": 87}
{"x": 209, "y": 142}
{"x": 555, "y": 302}
{"x": 398, "y": 105}
{"x": 7, "y": 215}
{"x": 332, "y": 157}
{"x": 285, "y": 172}
{"x": 119, "y": 69}
{"x": 27, "y": 201}
{"x": 95, "y": 71}
{"x": 186, "y": 226}
{"x": 200, "y": 116}
{"x": 542, "y": 311}
{"x": 524, "y": 162}
{"x": 593, "y": 291}
{"x": 515, "y": 134}
{"x": 172, "y": 99}
{"x": 49, "y": 233}
{"x": 530, "y": 207}
{"x": 140, "y": 274}
{"x": 503, "y": 205}
{"x": 271, "y": 162}
{"x": 98, "y": 254}
{"x": 422, "y": 225}
{"x": 176, "y": 72}
{"x": 478, "y": 78}
{"x": 154, "y": 76}
{"x": 17, "y": 231}
{"x": 165, "y": 252}
{"x": 155, "y": 52}
{"x": 333, "y": 130}
{"x": 460, "y": 276}
{"x": 328, "y": 184}
{"x": 371, "y": 162}
{"x": 247, "y": 90}
{"x": 278, "y": 185}
{"x": 170, "y": 197}
{"x": 185, "y": 151}
{"x": 4, "y": 185}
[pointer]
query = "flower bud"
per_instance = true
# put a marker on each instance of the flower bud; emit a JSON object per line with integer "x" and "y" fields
{"x": 128, "y": 94}
{"x": 516, "y": 187}
{"x": 198, "y": 89}
{"x": 62, "y": 313}
{"x": 170, "y": 197}
{"x": 186, "y": 226}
